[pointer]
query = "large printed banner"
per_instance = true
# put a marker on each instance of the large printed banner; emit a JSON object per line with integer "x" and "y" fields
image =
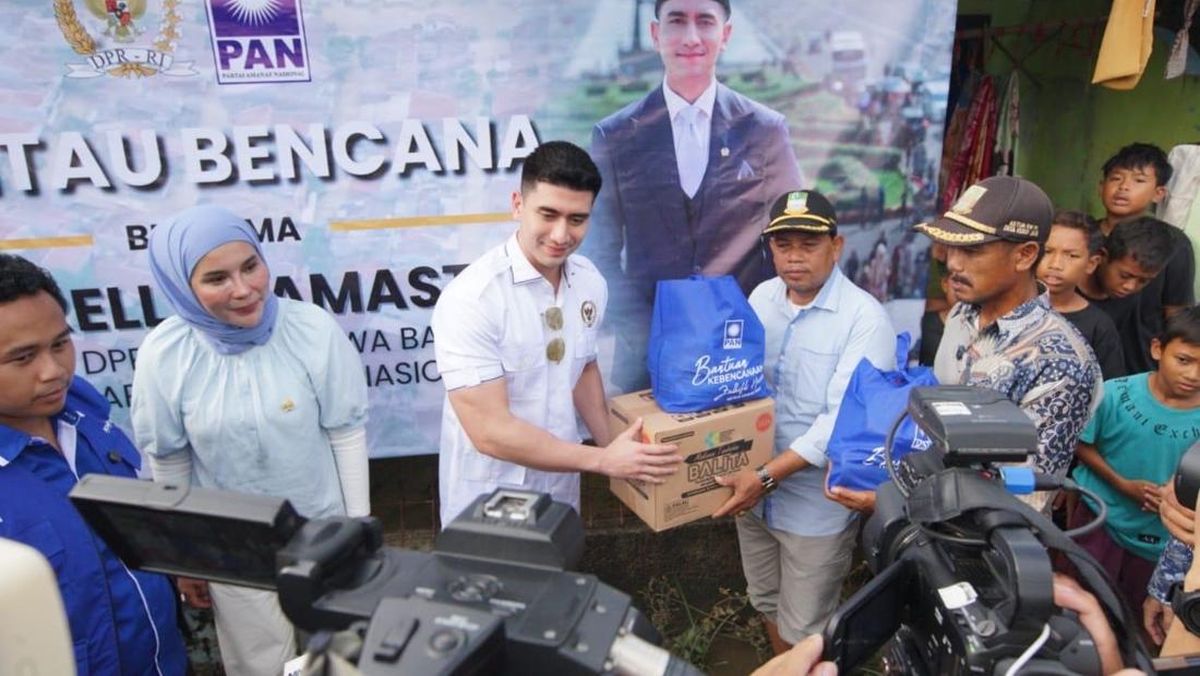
{"x": 374, "y": 145}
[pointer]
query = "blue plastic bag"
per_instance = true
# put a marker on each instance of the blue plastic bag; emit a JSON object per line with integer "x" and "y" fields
{"x": 873, "y": 401}
{"x": 706, "y": 345}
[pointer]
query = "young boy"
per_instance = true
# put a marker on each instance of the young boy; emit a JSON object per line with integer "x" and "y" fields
{"x": 1072, "y": 254}
{"x": 1131, "y": 447}
{"x": 1134, "y": 182}
{"x": 1127, "y": 282}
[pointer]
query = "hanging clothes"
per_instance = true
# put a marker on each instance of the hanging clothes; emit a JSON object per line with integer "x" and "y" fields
{"x": 973, "y": 159}
{"x": 1177, "y": 59}
{"x": 1125, "y": 49}
{"x": 955, "y": 129}
{"x": 1008, "y": 128}
{"x": 1181, "y": 207}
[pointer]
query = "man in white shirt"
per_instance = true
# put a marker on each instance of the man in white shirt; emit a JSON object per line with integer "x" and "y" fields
{"x": 690, "y": 171}
{"x": 516, "y": 348}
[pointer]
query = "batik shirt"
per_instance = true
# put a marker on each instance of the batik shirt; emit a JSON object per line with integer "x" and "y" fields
{"x": 1038, "y": 360}
{"x": 1172, "y": 567}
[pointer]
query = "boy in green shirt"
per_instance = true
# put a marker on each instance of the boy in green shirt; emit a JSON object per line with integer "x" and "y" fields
{"x": 1131, "y": 447}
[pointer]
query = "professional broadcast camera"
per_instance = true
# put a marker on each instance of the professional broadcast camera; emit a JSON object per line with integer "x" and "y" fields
{"x": 963, "y": 580}
{"x": 494, "y": 596}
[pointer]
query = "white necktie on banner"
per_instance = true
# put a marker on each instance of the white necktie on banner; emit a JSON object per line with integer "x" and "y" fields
{"x": 691, "y": 150}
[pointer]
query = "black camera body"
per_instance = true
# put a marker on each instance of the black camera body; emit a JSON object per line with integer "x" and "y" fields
{"x": 958, "y": 608}
{"x": 494, "y": 596}
{"x": 963, "y": 580}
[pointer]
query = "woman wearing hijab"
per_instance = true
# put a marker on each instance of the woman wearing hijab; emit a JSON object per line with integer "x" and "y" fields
{"x": 244, "y": 391}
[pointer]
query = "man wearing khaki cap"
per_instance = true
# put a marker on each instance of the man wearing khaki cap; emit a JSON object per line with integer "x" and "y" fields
{"x": 1002, "y": 333}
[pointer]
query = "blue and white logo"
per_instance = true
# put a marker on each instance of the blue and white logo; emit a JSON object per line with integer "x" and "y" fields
{"x": 733, "y": 334}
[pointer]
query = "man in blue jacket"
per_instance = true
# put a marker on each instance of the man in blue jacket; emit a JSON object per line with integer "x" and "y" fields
{"x": 54, "y": 428}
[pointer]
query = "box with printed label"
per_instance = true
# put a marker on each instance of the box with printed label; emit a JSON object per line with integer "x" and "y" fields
{"x": 712, "y": 443}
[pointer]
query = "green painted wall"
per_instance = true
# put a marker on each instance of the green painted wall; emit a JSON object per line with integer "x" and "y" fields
{"x": 1069, "y": 127}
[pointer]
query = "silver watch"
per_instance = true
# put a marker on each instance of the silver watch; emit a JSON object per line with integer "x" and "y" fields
{"x": 768, "y": 482}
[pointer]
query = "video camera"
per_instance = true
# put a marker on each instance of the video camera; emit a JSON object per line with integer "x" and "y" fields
{"x": 494, "y": 596}
{"x": 963, "y": 578}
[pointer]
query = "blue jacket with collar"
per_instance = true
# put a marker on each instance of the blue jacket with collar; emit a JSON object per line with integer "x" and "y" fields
{"x": 122, "y": 621}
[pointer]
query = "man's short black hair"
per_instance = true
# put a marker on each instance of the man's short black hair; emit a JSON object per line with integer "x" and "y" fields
{"x": 1076, "y": 220}
{"x": 723, "y": 3}
{"x": 563, "y": 164}
{"x": 1140, "y": 156}
{"x": 1183, "y": 325}
{"x": 20, "y": 278}
{"x": 1147, "y": 239}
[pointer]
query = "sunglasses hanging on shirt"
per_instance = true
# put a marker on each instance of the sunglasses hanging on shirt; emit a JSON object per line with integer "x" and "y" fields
{"x": 556, "y": 348}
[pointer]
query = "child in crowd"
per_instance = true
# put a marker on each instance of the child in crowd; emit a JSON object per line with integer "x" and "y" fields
{"x": 1134, "y": 182}
{"x": 1072, "y": 253}
{"x": 1131, "y": 447}
{"x": 1126, "y": 282}
{"x": 933, "y": 323}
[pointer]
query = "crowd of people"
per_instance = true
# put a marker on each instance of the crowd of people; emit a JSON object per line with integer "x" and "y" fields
{"x": 1088, "y": 325}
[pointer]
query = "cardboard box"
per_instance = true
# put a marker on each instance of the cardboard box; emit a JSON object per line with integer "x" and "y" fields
{"x": 714, "y": 442}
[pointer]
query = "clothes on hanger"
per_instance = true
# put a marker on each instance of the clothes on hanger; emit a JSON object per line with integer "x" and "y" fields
{"x": 972, "y": 158}
{"x": 1125, "y": 49}
{"x": 1181, "y": 207}
{"x": 1177, "y": 59}
{"x": 1008, "y": 127}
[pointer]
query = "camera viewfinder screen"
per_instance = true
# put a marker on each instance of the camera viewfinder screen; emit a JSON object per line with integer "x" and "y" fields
{"x": 221, "y": 548}
{"x": 868, "y": 619}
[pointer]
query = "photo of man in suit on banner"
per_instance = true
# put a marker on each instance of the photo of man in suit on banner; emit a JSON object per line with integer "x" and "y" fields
{"x": 709, "y": 109}
{"x": 688, "y": 170}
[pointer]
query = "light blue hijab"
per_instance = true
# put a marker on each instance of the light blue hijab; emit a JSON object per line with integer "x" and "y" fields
{"x": 178, "y": 245}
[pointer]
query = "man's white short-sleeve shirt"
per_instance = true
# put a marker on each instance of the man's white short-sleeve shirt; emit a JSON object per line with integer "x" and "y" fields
{"x": 490, "y": 323}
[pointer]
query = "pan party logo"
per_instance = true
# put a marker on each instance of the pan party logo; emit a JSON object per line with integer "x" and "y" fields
{"x": 116, "y": 38}
{"x": 256, "y": 41}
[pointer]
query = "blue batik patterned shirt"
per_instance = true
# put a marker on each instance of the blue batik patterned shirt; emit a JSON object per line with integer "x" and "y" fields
{"x": 1172, "y": 567}
{"x": 1038, "y": 360}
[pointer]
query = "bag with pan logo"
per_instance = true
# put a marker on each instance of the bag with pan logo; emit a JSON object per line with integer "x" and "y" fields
{"x": 873, "y": 401}
{"x": 706, "y": 345}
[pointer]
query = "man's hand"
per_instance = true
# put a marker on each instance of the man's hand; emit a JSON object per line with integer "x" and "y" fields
{"x": 194, "y": 592}
{"x": 1157, "y": 618}
{"x": 859, "y": 501}
{"x": 801, "y": 660}
{"x": 1179, "y": 520}
{"x": 626, "y": 458}
{"x": 747, "y": 490}
{"x": 1070, "y": 595}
